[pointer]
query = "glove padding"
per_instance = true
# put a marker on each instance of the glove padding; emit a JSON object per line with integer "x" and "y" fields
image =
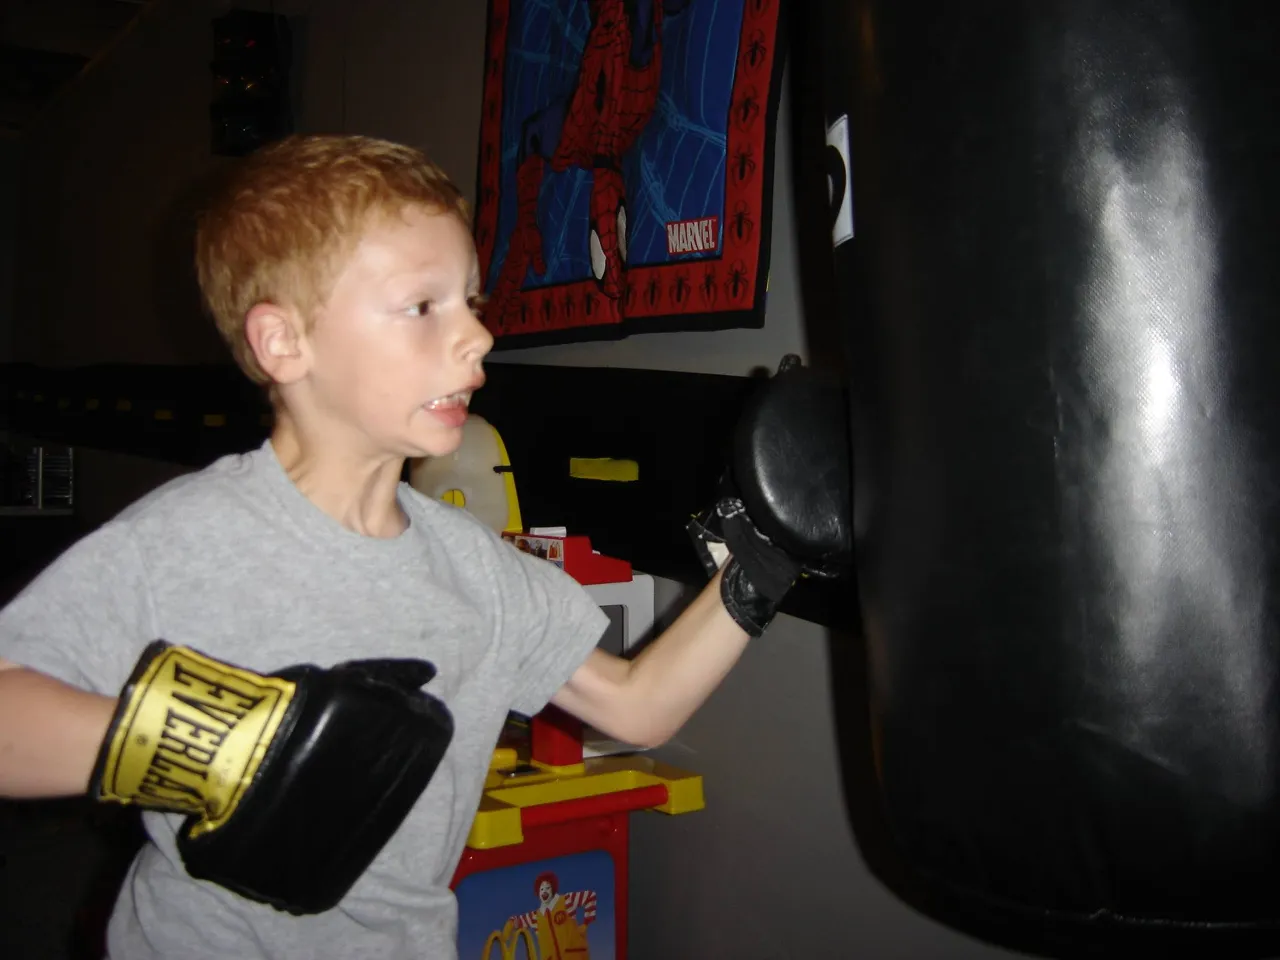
{"x": 784, "y": 507}
{"x": 292, "y": 782}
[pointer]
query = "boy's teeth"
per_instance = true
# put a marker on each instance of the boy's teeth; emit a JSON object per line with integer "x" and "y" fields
{"x": 460, "y": 397}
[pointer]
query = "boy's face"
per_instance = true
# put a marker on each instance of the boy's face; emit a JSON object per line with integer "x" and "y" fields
{"x": 396, "y": 351}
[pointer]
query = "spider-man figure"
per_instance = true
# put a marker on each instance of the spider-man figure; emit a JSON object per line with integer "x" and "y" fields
{"x": 592, "y": 128}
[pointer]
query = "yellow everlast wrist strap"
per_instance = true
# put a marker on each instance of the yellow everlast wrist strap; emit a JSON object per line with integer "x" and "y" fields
{"x": 190, "y": 734}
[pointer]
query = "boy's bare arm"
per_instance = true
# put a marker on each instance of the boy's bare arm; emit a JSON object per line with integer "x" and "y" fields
{"x": 50, "y": 734}
{"x": 646, "y": 700}
{"x": 788, "y": 470}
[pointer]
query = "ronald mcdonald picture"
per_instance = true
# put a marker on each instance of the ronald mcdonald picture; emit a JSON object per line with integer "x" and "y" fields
{"x": 558, "y": 909}
{"x": 555, "y": 921}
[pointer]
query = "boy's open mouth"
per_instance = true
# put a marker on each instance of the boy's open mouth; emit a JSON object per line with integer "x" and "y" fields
{"x": 460, "y": 399}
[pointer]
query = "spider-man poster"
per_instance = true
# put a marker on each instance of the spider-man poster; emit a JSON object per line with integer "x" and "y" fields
{"x": 626, "y": 166}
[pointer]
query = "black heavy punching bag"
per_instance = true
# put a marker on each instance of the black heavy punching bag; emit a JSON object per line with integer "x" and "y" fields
{"x": 1062, "y": 303}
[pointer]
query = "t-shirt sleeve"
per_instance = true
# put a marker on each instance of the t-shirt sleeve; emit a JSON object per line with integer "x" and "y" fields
{"x": 86, "y": 617}
{"x": 550, "y": 624}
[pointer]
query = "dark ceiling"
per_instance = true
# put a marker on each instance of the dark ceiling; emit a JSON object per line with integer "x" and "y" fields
{"x": 45, "y": 43}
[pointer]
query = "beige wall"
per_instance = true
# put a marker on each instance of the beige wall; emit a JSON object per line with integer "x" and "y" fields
{"x": 771, "y": 869}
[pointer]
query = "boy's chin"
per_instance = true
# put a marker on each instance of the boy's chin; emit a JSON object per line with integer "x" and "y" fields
{"x": 442, "y": 443}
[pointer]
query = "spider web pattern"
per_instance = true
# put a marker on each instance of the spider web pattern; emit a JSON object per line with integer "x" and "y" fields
{"x": 676, "y": 169}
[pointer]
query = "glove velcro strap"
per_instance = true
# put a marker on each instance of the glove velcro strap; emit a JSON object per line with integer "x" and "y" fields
{"x": 709, "y": 545}
{"x": 746, "y": 606}
{"x": 771, "y": 571}
{"x": 189, "y": 735}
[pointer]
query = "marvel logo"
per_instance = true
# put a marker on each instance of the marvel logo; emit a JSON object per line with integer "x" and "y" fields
{"x": 693, "y": 236}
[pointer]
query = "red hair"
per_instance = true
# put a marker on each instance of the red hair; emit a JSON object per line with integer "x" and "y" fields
{"x": 282, "y": 227}
{"x": 547, "y": 877}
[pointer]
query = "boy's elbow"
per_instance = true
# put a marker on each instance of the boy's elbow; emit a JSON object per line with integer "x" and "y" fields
{"x": 641, "y": 720}
{"x": 649, "y": 741}
{"x": 650, "y": 733}
{"x": 636, "y": 731}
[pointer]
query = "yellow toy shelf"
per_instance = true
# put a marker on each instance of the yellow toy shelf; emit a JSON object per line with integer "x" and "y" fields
{"x": 518, "y": 795}
{"x": 546, "y": 862}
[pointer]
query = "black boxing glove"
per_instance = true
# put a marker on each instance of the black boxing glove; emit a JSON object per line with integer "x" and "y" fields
{"x": 784, "y": 507}
{"x": 292, "y": 782}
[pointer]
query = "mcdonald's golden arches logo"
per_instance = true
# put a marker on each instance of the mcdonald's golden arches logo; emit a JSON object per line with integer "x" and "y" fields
{"x": 507, "y": 945}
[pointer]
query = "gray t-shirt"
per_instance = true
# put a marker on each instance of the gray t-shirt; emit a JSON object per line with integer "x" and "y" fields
{"x": 234, "y": 561}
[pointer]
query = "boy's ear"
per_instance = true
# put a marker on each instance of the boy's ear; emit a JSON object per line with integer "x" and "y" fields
{"x": 278, "y": 340}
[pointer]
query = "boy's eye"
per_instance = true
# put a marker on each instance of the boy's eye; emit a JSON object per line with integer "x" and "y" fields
{"x": 477, "y": 302}
{"x": 420, "y": 309}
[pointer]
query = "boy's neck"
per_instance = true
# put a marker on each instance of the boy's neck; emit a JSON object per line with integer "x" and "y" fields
{"x": 357, "y": 491}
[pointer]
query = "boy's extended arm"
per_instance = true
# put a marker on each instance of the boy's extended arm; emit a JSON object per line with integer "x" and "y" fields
{"x": 50, "y": 734}
{"x": 782, "y": 511}
{"x": 646, "y": 700}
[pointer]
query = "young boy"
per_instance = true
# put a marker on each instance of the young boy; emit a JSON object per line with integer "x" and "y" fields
{"x": 342, "y": 274}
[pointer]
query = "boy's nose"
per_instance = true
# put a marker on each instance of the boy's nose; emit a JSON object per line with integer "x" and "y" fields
{"x": 476, "y": 341}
